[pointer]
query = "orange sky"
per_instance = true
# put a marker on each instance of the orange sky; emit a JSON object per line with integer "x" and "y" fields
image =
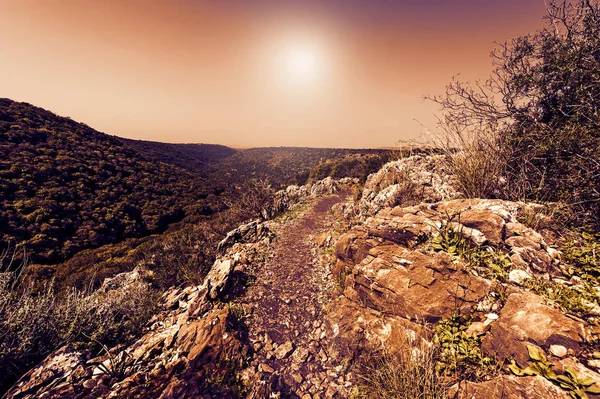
{"x": 218, "y": 71}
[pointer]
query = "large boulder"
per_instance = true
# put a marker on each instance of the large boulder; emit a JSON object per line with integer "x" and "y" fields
{"x": 415, "y": 284}
{"x": 251, "y": 232}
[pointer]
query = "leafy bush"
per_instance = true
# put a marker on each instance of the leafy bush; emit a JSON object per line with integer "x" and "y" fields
{"x": 583, "y": 253}
{"x": 460, "y": 353}
{"x": 536, "y": 119}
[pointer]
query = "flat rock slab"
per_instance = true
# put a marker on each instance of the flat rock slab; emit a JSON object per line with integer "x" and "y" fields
{"x": 510, "y": 387}
{"x": 526, "y": 319}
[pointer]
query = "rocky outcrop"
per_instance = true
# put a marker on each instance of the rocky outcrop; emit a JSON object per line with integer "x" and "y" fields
{"x": 408, "y": 181}
{"x": 396, "y": 283}
{"x": 252, "y": 232}
{"x": 187, "y": 345}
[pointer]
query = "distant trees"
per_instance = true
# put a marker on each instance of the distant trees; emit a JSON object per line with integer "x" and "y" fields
{"x": 538, "y": 114}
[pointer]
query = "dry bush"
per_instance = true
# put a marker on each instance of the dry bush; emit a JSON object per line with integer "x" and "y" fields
{"x": 184, "y": 256}
{"x": 34, "y": 322}
{"x": 253, "y": 199}
{"x": 409, "y": 374}
{"x": 475, "y": 157}
{"x": 538, "y": 115}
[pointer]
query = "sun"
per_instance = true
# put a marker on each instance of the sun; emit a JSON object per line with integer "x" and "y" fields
{"x": 294, "y": 63}
{"x": 301, "y": 64}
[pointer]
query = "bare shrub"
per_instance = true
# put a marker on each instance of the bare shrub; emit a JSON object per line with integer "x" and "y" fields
{"x": 253, "y": 199}
{"x": 476, "y": 157}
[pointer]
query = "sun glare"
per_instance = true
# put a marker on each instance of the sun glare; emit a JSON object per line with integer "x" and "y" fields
{"x": 301, "y": 64}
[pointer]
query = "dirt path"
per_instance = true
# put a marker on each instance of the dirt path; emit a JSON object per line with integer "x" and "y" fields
{"x": 286, "y": 327}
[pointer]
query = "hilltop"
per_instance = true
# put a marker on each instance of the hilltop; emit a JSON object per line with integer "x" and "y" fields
{"x": 195, "y": 158}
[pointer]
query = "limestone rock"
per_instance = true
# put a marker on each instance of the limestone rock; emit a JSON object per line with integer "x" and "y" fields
{"x": 56, "y": 369}
{"x": 249, "y": 232}
{"x": 284, "y": 350}
{"x": 525, "y": 319}
{"x": 385, "y": 285}
{"x": 408, "y": 181}
{"x": 518, "y": 276}
{"x": 217, "y": 277}
{"x": 509, "y": 387}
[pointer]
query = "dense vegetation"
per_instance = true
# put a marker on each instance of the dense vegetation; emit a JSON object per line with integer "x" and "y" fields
{"x": 284, "y": 165}
{"x": 196, "y": 158}
{"x": 65, "y": 187}
{"x": 532, "y": 130}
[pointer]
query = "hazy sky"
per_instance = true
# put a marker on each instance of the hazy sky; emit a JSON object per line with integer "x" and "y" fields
{"x": 246, "y": 73}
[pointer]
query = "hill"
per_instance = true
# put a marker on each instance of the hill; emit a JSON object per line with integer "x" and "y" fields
{"x": 282, "y": 166}
{"x": 195, "y": 158}
{"x": 65, "y": 186}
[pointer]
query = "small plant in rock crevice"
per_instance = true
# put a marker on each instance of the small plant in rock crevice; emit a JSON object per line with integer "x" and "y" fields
{"x": 117, "y": 366}
{"x": 460, "y": 353}
{"x": 577, "y": 387}
{"x": 576, "y": 299}
{"x": 485, "y": 259}
{"x": 583, "y": 254}
{"x": 450, "y": 239}
{"x": 237, "y": 315}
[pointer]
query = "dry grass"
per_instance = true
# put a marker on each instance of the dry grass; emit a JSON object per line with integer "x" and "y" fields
{"x": 476, "y": 157}
{"x": 409, "y": 374}
{"x": 33, "y": 322}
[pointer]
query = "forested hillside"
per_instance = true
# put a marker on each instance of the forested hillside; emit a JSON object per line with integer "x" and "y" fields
{"x": 65, "y": 187}
{"x": 282, "y": 166}
{"x": 196, "y": 158}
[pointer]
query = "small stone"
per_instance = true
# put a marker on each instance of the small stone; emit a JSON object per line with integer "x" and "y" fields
{"x": 265, "y": 368}
{"x": 297, "y": 377}
{"x": 89, "y": 384}
{"x": 323, "y": 355}
{"x": 477, "y": 328}
{"x": 300, "y": 355}
{"x": 284, "y": 350}
{"x": 490, "y": 318}
{"x": 518, "y": 276}
{"x": 595, "y": 363}
{"x": 558, "y": 350}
